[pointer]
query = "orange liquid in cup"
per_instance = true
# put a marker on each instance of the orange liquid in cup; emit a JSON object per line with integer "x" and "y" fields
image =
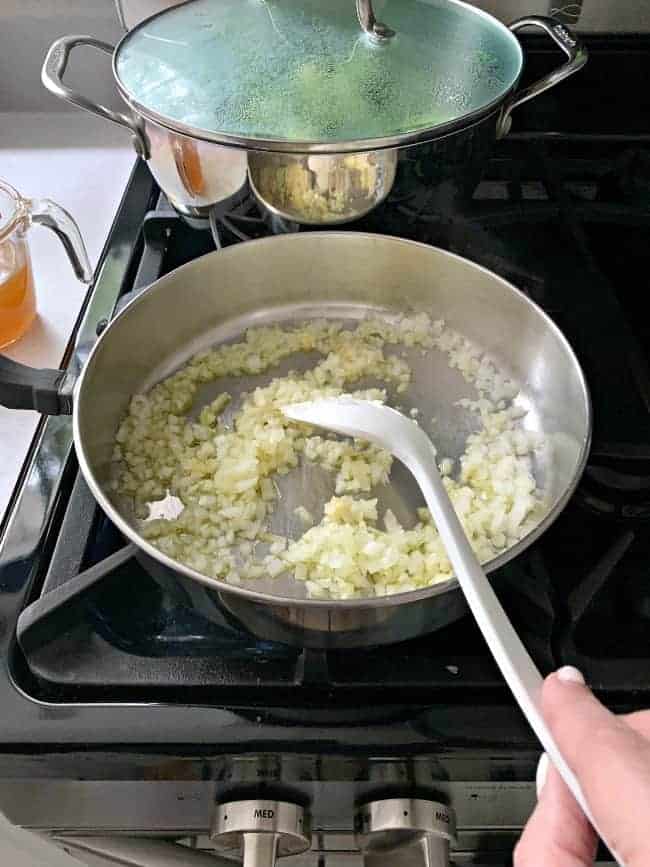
{"x": 17, "y": 295}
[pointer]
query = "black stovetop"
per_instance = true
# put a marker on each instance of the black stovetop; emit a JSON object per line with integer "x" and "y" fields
{"x": 565, "y": 217}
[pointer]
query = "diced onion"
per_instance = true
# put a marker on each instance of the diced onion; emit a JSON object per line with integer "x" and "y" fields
{"x": 224, "y": 478}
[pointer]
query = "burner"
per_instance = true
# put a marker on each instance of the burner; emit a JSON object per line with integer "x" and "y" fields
{"x": 609, "y": 611}
{"x": 279, "y": 225}
{"x": 245, "y": 222}
{"x": 629, "y": 179}
{"x": 616, "y": 488}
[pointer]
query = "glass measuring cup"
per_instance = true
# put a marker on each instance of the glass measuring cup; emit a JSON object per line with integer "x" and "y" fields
{"x": 17, "y": 293}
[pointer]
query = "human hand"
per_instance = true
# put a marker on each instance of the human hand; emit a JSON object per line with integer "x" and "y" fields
{"x": 610, "y": 755}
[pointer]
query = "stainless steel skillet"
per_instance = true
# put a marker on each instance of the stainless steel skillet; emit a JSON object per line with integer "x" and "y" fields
{"x": 343, "y": 276}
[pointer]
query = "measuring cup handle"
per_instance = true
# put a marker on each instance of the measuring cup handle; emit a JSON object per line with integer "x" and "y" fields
{"x": 58, "y": 220}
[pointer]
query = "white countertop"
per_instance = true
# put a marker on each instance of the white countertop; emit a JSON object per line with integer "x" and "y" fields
{"x": 82, "y": 163}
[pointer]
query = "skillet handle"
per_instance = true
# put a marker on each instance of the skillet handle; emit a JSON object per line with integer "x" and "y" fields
{"x": 54, "y": 66}
{"x": 45, "y": 390}
{"x": 571, "y": 45}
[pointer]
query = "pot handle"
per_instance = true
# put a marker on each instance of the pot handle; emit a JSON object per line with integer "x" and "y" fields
{"x": 47, "y": 391}
{"x": 572, "y": 46}
{"x": 54, "y": 66}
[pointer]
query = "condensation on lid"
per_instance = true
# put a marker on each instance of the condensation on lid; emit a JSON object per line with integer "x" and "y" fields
{"x": 303, "y": 70}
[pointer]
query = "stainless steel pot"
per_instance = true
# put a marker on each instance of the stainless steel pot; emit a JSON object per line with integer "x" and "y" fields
{"x": 295, "y": 277}
{"x": 312, "y": 183}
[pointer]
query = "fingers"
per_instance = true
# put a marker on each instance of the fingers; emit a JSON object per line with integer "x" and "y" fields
{"x": 611, "y": 758}
{"x": 639, "y": 721}
{"x": 557, "y": 833}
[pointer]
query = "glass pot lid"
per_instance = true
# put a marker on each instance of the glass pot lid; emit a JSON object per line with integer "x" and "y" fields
{"x": 272, "y": 73}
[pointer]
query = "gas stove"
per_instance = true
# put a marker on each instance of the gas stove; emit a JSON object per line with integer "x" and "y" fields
{"x": 127, "y": 716}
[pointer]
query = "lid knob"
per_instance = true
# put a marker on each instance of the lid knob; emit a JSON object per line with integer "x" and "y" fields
{"x": 375, "y": 29}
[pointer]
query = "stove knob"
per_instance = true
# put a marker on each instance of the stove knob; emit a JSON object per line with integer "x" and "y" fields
{"x": 260, "y": 831}
{"x": 414, "y": 831}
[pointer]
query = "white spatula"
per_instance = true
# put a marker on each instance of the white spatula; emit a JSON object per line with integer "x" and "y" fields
{"x": 402, "y": 437}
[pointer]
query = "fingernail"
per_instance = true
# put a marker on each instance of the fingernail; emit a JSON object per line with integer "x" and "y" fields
{"x": 542, "y": 773}
{"x": 569, "y": 674}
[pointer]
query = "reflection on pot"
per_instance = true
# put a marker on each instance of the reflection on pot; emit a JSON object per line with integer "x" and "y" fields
{"x": 195, "y": 175}
{"x": 188, "y": 165}
{"x": 322, "y": 189}
{"x": 440, "y": 177}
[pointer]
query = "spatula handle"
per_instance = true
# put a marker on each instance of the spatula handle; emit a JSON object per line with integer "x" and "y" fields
{"x": 509, "y": 652}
